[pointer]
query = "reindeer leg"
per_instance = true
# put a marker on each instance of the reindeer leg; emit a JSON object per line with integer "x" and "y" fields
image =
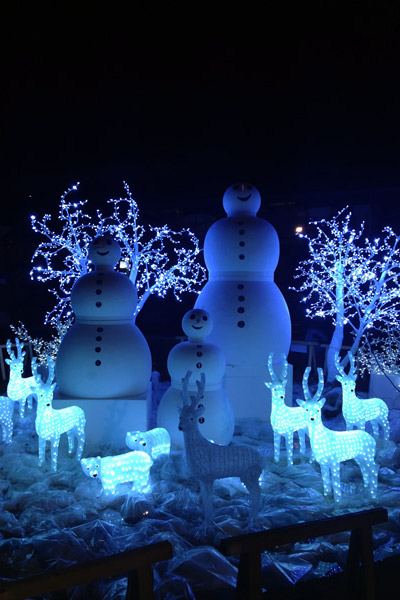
{"x": 375, "y": 428}
{"x": 81, "y": 442}
{"x": 302, "y": 439}
{"x": 289, "y": 448}
{"x": 42, "y": 450}
{"x": 277, "y": 446}
{"x": 335, "y": 475}
{"x": 326, "y": 480}
{"x": 54, "y": 452}
{"x": 206, "y": 490}
{"x": 70, "y": 437}
{"x": 22, "y": 407}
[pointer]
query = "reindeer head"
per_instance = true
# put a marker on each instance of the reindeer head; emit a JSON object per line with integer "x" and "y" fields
{"x": 43, "y": 389}
{"x": 192, "y": 410}
{"x": 16, "y": 361}
{"x": 277, "y": 384}
{"x": 312, "y": 404}
{"x": 348, "y": 380}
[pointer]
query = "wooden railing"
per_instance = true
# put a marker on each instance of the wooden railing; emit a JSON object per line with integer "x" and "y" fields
{"x": 136, "y": 564}
{"x": 249, "y": 547}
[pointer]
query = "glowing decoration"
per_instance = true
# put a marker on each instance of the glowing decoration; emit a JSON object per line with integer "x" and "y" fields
{"x": 330, "y": 448}
{"x": 350, "y": 279}
{"x": 42, "y": 348}
{"x": 50, "y": 424}
{"x": 207, "y": 461}
{"x": 198, "y": 355}
{"x": 250, "y": 314}
{"x": 104, "y": 354}
{"x": 6, "y": 418}
{"x": 19, "y": 388}
{"x": 159, "y": 258}
{"x": 285, "y": 420}
{"x": 112, "y": 470}
{"x": 358, "y": 411}
{"x": 155, "y": 442}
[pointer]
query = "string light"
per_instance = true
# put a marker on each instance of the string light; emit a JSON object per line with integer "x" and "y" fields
{"x": 154, "y": 442}
{"x": 19, "y": 388}
{"x": 63, "y": 257}
{"x": 330, "y": 448}
{"x": 112, "y": 470}
{"x": 6, "y": 418}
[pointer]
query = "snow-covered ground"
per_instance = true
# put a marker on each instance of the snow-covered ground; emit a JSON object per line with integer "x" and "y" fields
{"x": 49, "y": 520}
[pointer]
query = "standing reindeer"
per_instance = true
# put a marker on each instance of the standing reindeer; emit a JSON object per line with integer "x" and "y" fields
{"x": 19, "y": 389}
{"x": 51, "y": 423}
{"x": 330, "y": 448}
{"x": 358, "y": 411}
{"x": 208, "y": 461}
{"x": 285, "y": 420}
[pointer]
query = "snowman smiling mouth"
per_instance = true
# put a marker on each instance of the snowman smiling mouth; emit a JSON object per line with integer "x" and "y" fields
{"x": 197, "y": 327}
{"x": 102, "y": 253}
{"x": 243, "y": 199}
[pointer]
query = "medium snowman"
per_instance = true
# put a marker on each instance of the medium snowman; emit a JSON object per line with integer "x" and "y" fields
{"x": 103, "y": 354}
{"x": 198, "y": 356}
{"x": 250, "y": 315}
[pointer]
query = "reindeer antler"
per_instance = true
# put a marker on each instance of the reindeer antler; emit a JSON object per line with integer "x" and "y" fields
{"x": 274, "y": 377}
{"x": 320, "y": 388}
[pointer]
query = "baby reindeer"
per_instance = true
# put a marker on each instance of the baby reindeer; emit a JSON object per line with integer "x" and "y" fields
{"x": 285, "y": 420}
{"x": 358, "y": 411}
{"x": 208, "y": 461}
{"x": 19, "y": 389}
{"x": 51, "y": 423}
{"x": 330, "y": 448}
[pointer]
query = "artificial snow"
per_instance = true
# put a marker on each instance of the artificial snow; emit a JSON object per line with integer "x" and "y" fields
{"x": 50, "y": 520}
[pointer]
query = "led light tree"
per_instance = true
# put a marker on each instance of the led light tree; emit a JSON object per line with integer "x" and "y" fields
{"x": 350, "y": 279}
{"x": 159, "y": 258}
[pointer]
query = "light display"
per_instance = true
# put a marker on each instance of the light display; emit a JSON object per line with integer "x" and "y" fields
{"x": 359, "y": 411}
{"x": 208, "y": 461}
{"x": 330, "y": 448}
{"x": 124, "y": 468}
{"x": 351, "y": 279}
{"x": 6, "y": 418}
{"x": 154, "y": 442}
{"x": 50, "y": 424}
{"x": 19, "y": 388}
{"x": 160, "y": 259}
{"x": 285, "y": 420}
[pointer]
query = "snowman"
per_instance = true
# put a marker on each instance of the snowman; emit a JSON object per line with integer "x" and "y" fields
{"x": 103, "y": 354}
{"x": 250, "y": 315}
{"x": 198, "y": 356}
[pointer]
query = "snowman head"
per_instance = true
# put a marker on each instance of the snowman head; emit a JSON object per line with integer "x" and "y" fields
{"x": 197, "y": 324}
{"x": 241, "y": 198}
{"x": 104, "y": 251}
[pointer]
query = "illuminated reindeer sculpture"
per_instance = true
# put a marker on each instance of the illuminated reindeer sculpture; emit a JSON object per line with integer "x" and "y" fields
{"x": 6, "y": 418}
{"x": 19, "y": 389}
{"x": 285, "y": 420}
{"x": 330, "y": 448}
{"x": 51, "y": 423}
{"x": 208, "y": 461}
{"x": 358, "y": 411}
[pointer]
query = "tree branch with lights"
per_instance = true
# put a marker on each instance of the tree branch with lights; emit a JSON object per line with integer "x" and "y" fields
{"x": 159, "y": 259}
{"x": 350, "y": 279}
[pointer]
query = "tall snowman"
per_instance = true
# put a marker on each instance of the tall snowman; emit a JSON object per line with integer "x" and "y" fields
{"x": 198, "y": 356}
{"x": 251, "y": 318}
{"x": 103, "y": 354}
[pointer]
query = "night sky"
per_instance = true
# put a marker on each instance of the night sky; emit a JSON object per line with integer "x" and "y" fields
{"x": 303, "y": 103}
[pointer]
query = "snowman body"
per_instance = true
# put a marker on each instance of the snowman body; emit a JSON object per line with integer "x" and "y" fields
{"x": 103, "y": 354}
{"x": 250, "y": 315}
{"x": 198, "y": 356}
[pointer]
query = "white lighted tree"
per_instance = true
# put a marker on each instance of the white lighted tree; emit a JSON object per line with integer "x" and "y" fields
{"x": 158, "y": 259}
{"x": 350, "y": 279}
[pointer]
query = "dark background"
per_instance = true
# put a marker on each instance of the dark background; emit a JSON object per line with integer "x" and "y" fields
{"x": 299, "y": 99}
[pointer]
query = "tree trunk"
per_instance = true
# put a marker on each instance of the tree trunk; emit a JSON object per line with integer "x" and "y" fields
{"x": 334, "y": 346}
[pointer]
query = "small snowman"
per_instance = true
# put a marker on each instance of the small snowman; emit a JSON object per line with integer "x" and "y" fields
{"x": 198, "y": 356}
{"x": 103, "y": 354}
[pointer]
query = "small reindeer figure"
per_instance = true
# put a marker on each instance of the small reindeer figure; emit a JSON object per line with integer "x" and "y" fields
{"x": 6, "y": 418}
{"x": 208, "y": 461}
{"x": 330, "y": 448}
{"x": 19, "y": 389}
{"x": 357, "y": 411}
{"x": 51, "y": 423}
{"x": 285, "y": 420}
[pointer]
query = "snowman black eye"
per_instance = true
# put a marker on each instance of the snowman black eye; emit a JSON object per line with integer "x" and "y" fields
{"x": 205, "y": 318}
{"x": 201, "y": 420}
{"x": 193, "y": 316}
{"x": 109, "y": 242}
